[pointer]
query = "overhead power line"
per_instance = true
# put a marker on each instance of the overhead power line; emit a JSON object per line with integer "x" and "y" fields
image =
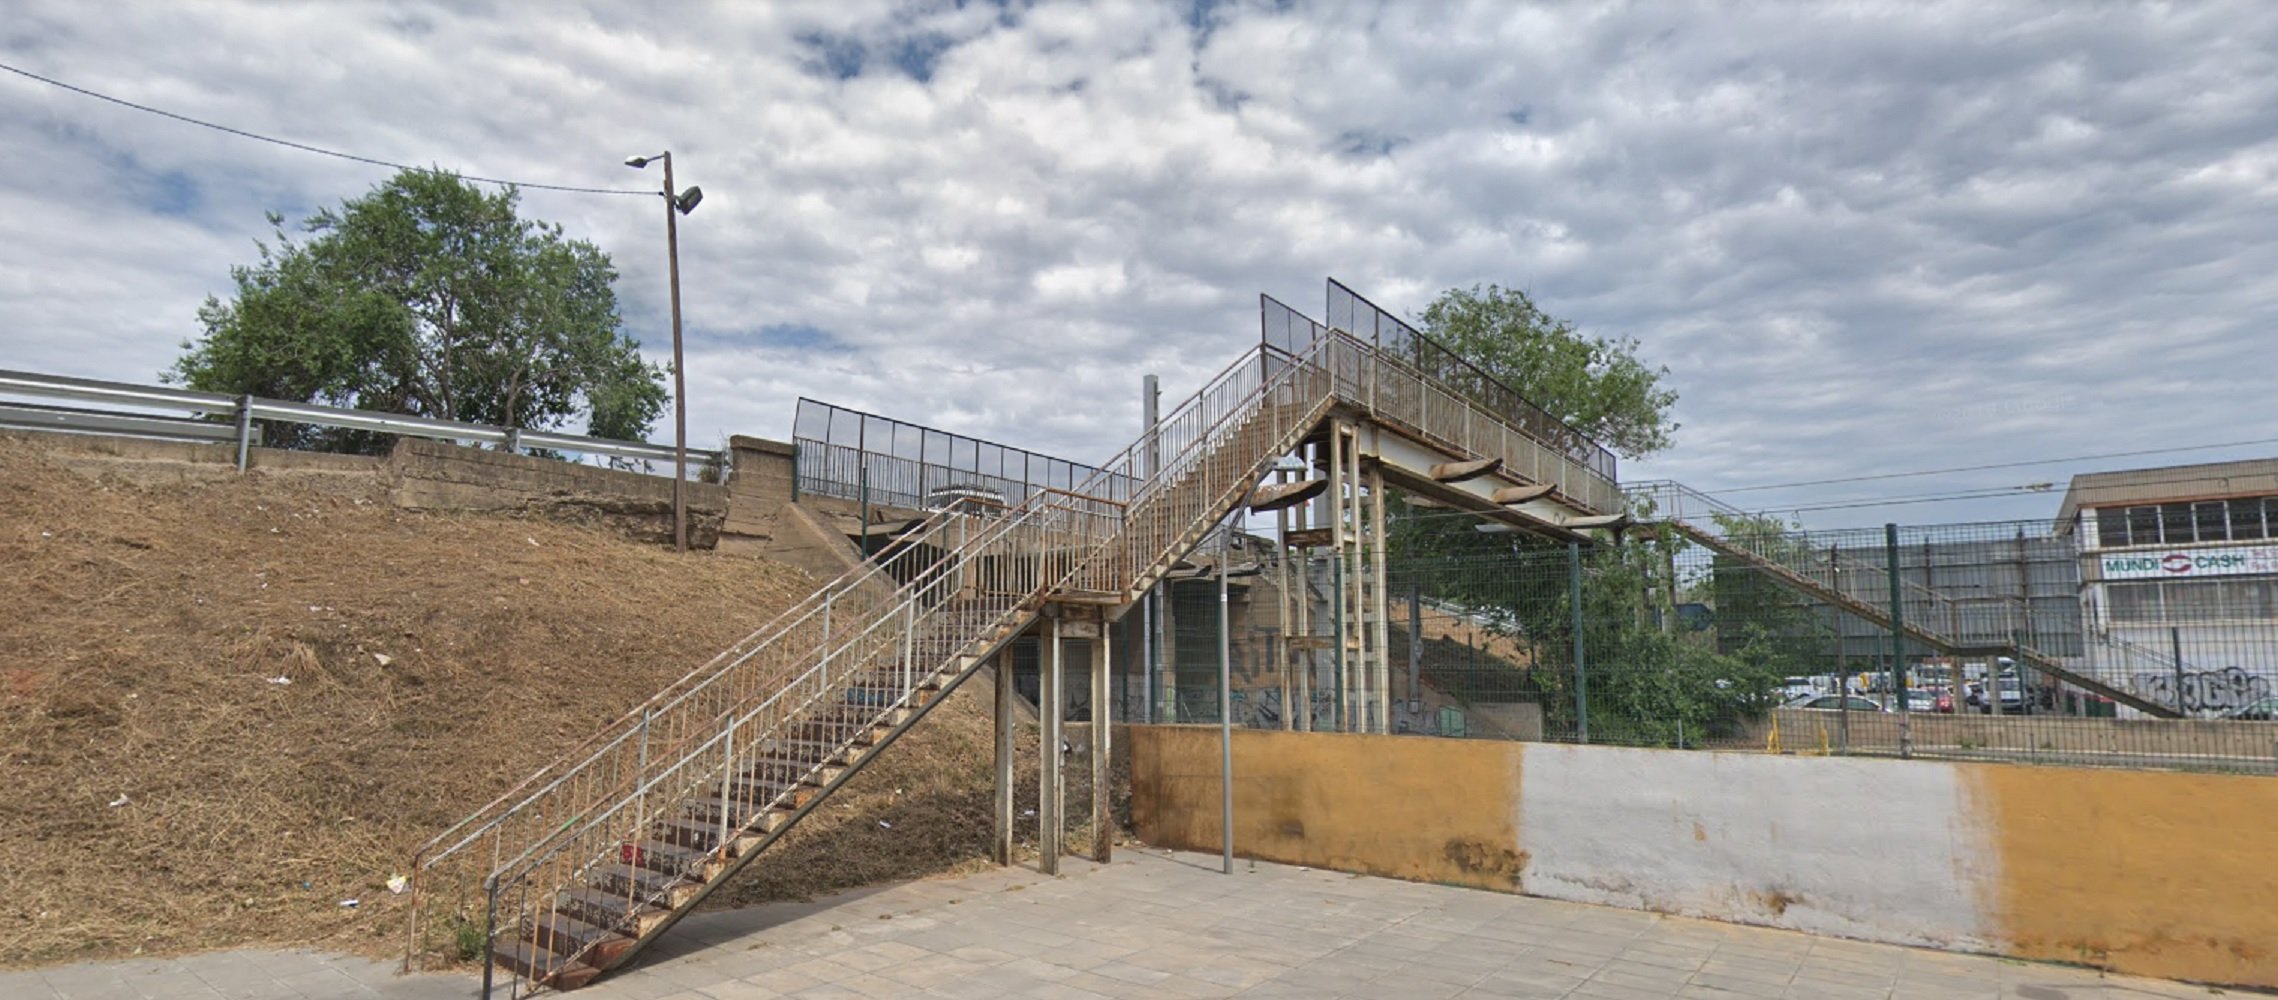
{"x": 1998, "y": 465}
{"x": 304, "y": 147}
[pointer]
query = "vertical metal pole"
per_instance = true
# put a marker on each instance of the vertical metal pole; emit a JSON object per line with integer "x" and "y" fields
{"x": 1415, "y": 648}
{"x": 1304, "y": 584}
{"x": 2174, "y": 644}
{"x": 1338, "y": 716}
{"x": 1282, "y": 477}
{"x": 1150, "y": 617}
{"x": 727, "y": 779}
{"x": 1225, "y": 719}
{"x": 1382, "y": 633}
{"x": 1342, "y": 613}
{"x": 862, "y": 491}
{"x": 489, "y": 932}
{"x": 1147, "y": 654}
{"x": 244, "y": 429}
{"x": 1048, "y": 798}
{"x": 909, "y": 657}
{"x": 1898, "y": 642}
{"x": 1103, "y": 724}
{"x": 679, "y": 370}
{"x": 1581, "y": 672}
{"x": 1000, "y": 671}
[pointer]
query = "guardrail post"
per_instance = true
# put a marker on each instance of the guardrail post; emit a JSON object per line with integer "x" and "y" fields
{"x": 244, "y": 429}
{"x": 514, "y": 440}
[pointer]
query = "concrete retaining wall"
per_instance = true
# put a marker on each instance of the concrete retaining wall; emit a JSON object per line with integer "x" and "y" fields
{"x": 2151, "y": 873}
{"x": 440, "y": 475}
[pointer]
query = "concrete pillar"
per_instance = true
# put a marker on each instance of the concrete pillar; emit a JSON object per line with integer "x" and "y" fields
{"x": 1048, "y": 789}
{"x": 1000, "y": 674}
{"x": 1103, "y": 719}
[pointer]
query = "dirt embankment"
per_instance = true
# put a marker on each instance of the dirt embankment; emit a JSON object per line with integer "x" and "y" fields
{"x": 227, "y": 707}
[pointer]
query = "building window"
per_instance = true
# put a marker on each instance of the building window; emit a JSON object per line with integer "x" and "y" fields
{"x": 2111, "y": 527}
{"x": 2175, "y": 524}
{"x": 2187, "y": 522}
{"x": 2246, "y": 520}
{"x": 2143, "y": 526}
{"x": 2207, "y": 516}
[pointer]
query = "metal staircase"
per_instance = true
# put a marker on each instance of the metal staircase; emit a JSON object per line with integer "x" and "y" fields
{"x": 1841, "y": 578}
{"x": 593, "y": 856}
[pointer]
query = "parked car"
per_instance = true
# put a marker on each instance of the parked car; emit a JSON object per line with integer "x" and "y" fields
{"x": 1838, "y": 702}
{"x": 2261, "y": 710}
{"x": 2011, "y": 693}
{"x": 1925, "y": 700}
{"x": 1792, "y": 688}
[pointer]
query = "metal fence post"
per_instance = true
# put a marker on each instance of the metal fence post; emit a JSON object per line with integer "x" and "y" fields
{"x": 1581, "y": 674}
{"x": 1225, "y": 715}
{"x": 2175, "y": 647}
{"x": 244, "y": 429}
{"x": 1898, "y": 640}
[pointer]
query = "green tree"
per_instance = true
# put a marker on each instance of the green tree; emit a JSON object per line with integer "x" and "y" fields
{"x": 1599, "y": 385}
{"x": 1647, "y": 684}
{"x": 430, "y": 297}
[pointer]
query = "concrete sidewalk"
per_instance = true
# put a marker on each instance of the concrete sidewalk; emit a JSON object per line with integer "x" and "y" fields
{"x": 1169, "y": 925}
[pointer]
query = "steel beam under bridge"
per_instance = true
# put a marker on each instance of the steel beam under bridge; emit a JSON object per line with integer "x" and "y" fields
{"x": 1408, "y": 465}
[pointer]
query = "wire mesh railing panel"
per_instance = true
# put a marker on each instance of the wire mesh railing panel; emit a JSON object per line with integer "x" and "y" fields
{"x": 852, "y": 455}
{"x": 1349, "y": 312}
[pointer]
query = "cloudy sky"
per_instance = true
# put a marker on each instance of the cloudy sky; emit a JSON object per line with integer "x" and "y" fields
{"x": 1864, "y": 239}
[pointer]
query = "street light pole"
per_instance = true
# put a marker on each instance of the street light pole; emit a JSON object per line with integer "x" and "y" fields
{"x": 679, "y": 372}
{"x": 676, "y": 203}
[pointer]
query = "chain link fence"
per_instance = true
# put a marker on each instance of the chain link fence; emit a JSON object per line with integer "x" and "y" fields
{"x": 1716, "y": 630}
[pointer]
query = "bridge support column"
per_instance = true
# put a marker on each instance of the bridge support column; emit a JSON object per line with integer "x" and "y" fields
{"x": 1048, "y": 789}
{"x": 1000, "y": 678}
{"x": 1103, "y": 725}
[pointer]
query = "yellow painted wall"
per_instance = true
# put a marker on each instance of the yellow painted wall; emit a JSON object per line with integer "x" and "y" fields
{"x": 1409, "y": 807}
{"x": 2155, "y": 874}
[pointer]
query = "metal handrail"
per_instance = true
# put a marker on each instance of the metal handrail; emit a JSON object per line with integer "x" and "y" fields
{"x": 248, "y": 408}
{"x": 950, "y": 596}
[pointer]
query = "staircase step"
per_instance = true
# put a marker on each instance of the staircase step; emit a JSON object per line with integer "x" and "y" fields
{"x": 785, "y": 769}
{"x": 644, "y": 883}
{"x": 563, "y": 934}
{"x": 797, "y": 749}
{"x": 686, "y": 831}
{"x": 543, "y": 967}
{"x": 661, "y": 856}
{"x": 742, "y": 810}
{"x": 610, "y": 910}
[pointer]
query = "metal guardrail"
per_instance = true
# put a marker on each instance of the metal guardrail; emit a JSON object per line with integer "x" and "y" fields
{"x": 203, "y": 407}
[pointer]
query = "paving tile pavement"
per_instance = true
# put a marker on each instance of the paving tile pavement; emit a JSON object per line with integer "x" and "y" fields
{"x": 1162, "y": 924}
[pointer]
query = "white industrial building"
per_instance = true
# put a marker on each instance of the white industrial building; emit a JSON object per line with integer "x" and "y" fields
{"x": 2179, "y": 580}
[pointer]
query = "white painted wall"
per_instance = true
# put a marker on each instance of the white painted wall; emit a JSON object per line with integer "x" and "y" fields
{"x": 1880, "y": 850}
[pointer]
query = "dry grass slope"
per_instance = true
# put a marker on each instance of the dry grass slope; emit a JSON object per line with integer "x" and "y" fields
{"x": 226, "y": 708}
{"x": 166, "y": 793}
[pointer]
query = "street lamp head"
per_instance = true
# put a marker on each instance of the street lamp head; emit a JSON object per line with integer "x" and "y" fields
{"x": 637, "y": 162}
{"x": 686, "y": 203}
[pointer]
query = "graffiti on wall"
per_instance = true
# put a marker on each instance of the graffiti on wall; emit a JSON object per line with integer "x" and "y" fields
{"x": 2206, "y": 690}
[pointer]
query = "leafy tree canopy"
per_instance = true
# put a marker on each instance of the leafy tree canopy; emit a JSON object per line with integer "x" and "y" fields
{"x": 1597, "y": 384}
{"x": 429, "y": 296}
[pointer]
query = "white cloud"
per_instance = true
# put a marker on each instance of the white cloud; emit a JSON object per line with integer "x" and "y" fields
{"x": 1863, "y": 239}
